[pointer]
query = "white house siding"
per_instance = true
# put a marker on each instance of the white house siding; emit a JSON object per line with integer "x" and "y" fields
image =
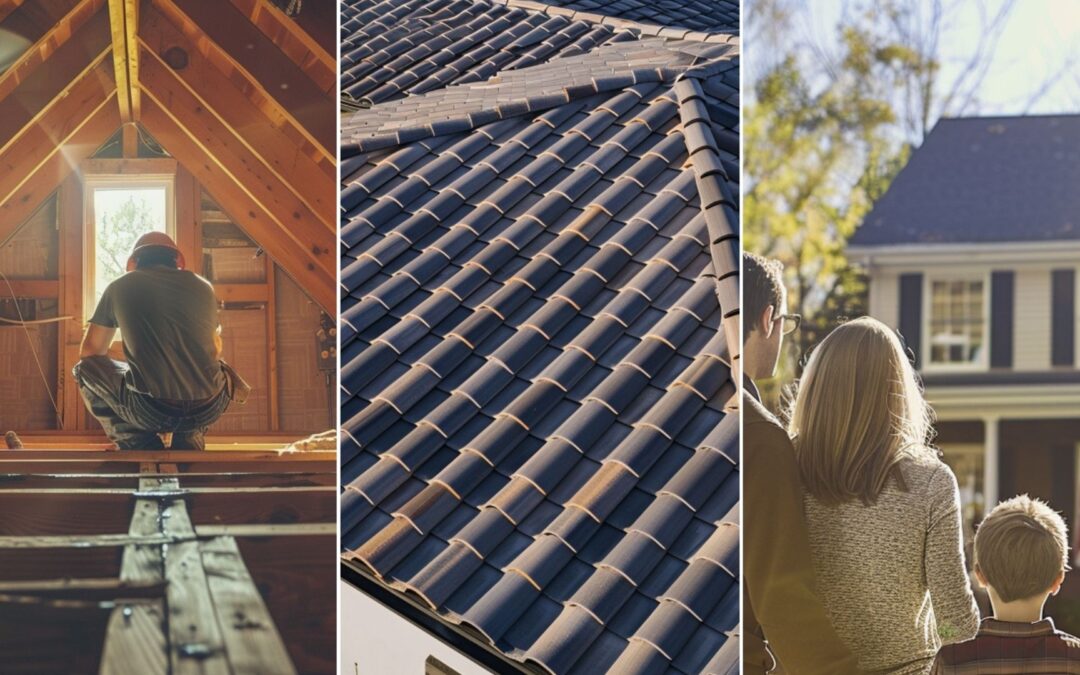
{"x": 377, "y": 641}
{"x": 885, "y": 297}
{"x": 1031, "y": 316}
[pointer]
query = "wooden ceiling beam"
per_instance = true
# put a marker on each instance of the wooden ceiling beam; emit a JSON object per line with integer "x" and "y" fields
{"x": 253, "y": 197}
{"x": 7, "y": 7}
{"x": 287, "y": 33}
{"x": 35, "y": 165}
{"x": 228, "y": 38}
{"x": 52, "y": 81}
{"x": 31, "y": 20}
{"x": 123, "y": 24}
{"x": 47, "y": 44}
{"x": 309, "y": 175}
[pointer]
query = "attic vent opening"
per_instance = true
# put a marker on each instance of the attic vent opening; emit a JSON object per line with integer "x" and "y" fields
{"x": 176, "y": 58}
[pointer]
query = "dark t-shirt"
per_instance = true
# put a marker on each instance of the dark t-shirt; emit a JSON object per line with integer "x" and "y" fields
{"x": 167, "y": 319}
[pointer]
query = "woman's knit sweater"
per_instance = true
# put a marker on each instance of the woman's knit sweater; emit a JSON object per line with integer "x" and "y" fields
{"x": 892, "y": 574}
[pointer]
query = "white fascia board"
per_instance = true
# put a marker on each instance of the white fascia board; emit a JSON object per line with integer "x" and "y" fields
{"x": 933, "y": 254}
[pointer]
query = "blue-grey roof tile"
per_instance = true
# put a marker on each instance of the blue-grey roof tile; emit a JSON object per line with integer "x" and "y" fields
{"x": 529, "y": 341}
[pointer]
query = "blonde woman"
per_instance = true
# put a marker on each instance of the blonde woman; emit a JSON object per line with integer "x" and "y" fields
{"x": 882, "y": 510}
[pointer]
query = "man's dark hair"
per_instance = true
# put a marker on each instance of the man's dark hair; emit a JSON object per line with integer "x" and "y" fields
{"x": 155, "y": 255}
{"x": 763, "y": 286}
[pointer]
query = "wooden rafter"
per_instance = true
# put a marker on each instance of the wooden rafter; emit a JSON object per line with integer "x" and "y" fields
{"x": 53, "y": 82}
{"x": 293, "y": 40}
{"x": 55, "y": 37}
{"x": 274, "y": 140}
{"x": 9, "y": 6}
{"x": 227, "y": 37}
{"x": 123, "y": 24}
{"x": 36, "y": 164}
{"x": 302, "y": 246}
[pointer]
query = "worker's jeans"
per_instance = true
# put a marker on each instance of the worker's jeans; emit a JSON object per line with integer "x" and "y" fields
{"x": 133, "y": 420}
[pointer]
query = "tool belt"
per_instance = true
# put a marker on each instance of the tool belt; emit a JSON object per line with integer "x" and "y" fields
{"x": 235, "y": 386}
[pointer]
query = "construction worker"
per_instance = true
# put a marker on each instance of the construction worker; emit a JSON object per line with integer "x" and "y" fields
{"x": 173, "y": 379}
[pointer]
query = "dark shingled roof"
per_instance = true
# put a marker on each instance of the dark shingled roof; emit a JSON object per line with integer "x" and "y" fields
{"x": 395, "y": 48}
{"x": 984, "y": 180}
{"x": 540, "y": 324}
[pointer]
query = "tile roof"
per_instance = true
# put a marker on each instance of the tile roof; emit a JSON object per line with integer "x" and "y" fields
{"x": 712, "y": 16}
{"x": 396, "y": 48}
{"x": 540, "y": 324}
{"x": 974, "y": 180}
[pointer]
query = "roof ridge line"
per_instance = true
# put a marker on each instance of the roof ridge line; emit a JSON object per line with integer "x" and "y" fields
{"x": 507, "y": 109}
{"x": 714, "y": 194}
{"x": 645, "y": 28}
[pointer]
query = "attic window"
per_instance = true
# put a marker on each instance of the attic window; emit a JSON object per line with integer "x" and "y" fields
{"x": 120, "y": 209}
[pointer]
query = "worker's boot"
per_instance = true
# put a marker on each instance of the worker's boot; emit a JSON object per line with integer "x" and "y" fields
{"x": 188, "y": 440}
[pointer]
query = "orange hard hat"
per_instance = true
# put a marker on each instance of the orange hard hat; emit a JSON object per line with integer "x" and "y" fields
{"x": 154, "y": 240}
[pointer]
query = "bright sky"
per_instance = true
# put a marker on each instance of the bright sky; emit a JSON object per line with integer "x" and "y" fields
{"x": 106, "y": 202}
{"x": 1040, "y": 41}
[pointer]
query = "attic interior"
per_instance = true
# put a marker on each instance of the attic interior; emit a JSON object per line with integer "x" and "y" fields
{"x": 213, "y": 122}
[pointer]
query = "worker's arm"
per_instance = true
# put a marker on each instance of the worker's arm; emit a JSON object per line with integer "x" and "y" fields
{"x": 778, "y": 572}
{"x": 96, "y": 341}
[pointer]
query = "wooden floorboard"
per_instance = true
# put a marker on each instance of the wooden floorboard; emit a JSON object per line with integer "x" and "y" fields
{"x": 135, "y": 637}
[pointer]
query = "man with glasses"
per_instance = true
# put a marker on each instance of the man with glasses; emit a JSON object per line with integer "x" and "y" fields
{"x": 781, "y": 605}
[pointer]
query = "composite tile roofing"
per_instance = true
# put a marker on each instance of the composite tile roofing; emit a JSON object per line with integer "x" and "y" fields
{"x": 699, "y": 15}
{"x": 396, "y": 48}
{"x": 539, "y": 333}
{"x": 975, "y": 179}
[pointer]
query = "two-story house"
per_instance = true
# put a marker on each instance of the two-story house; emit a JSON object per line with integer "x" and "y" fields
{"x": 972, "y": 255}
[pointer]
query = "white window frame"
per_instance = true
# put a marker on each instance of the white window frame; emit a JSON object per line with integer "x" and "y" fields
{"x": 92, "y": 182}
{"x": 983, "y": 363}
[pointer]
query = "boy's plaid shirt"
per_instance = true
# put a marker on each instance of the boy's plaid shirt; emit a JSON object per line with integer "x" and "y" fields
{"x": 1007, "y": 648}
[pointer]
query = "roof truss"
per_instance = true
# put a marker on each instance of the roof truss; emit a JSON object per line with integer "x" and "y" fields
{"x": 237, "y": 91}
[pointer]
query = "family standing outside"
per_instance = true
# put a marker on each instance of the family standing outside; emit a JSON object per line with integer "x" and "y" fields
{"x": 854, "y": 557}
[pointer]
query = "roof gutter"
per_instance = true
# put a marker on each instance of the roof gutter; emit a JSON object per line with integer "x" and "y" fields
{"x": 422, "y": 617}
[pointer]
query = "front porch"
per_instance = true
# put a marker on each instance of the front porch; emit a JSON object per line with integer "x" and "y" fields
{"x": 1001, "y": 443}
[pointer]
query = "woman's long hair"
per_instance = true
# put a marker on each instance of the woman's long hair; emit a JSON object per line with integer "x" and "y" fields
{"x": 859, "y": 409}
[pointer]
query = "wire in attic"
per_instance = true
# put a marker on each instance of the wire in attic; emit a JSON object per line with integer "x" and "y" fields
{"x": 30, "y": 341}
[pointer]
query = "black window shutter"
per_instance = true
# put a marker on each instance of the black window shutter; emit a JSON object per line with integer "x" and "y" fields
{"x": 911, "y": 300}
{"x": 1063, "y": 314}
{"x": 1001, "y": 319}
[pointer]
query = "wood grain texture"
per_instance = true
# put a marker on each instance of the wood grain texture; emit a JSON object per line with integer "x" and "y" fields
{"x": 251, "y": 638}
{"x": 135, "y": 638}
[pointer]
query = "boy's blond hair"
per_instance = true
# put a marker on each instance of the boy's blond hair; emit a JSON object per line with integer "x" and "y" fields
{"x": 1021, "y": 547}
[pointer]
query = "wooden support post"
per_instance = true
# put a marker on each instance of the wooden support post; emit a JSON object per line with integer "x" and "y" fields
{"x": 70, "y": 222}
{"x": 271, "y": 344}
{"x": 186, "y": 214}
{"x": 130, "y": 140}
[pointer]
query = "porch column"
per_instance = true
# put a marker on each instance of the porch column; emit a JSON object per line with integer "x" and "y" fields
{"x": 990, "y": 462}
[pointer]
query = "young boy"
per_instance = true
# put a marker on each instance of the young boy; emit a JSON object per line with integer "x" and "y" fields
{"x": 1021, "y": 556}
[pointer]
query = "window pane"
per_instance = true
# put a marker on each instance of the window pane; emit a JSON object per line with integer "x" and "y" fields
{"x": 121, "y": 216}
{"x": 956, "y": 321}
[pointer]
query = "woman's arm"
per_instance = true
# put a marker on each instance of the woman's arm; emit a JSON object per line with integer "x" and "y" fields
{"x": 955, "y": 610}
